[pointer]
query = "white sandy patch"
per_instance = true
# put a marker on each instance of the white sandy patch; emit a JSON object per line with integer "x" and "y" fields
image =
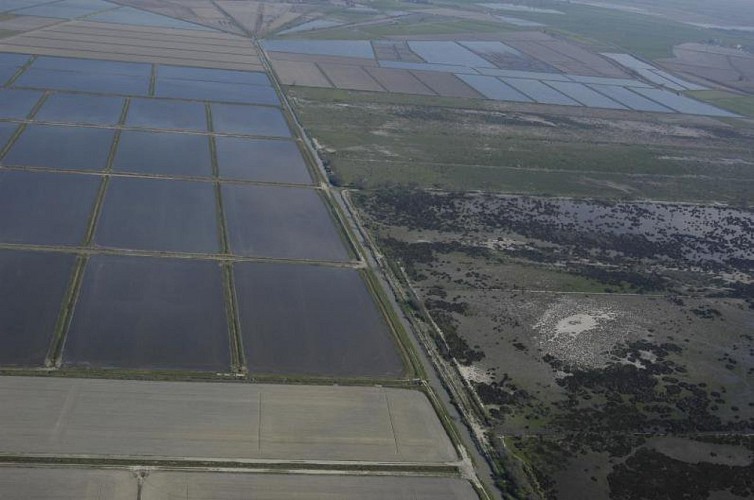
{"x": 474, "y": 374}
{"x": 580, "y": 323}
{"x": 583, "y": 330}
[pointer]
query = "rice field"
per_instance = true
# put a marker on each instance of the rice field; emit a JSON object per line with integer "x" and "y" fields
{"x": 133, "y": 205}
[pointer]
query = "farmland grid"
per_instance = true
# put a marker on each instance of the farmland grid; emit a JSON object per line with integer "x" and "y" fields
{"x": 107, "y": 173}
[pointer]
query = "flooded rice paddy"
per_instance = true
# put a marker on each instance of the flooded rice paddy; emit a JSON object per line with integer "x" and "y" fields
{"x": 166, "y": 215}
{"x": 179, "y": 115}
{"x": 281, "y": 222}
{"x": 45, "y": 208}
{"x": 261, "y": 160}
{"x": 293, "y": 321}
{"x": 149, "y": 314}
{"x": 129, "y": 214}
{"x": 82, "y": 109}
{"x": 72, "y": 148}
{"x": 31, "y": 288}
{"x": 163, "y": 153}
{"x": 17, "y": 103}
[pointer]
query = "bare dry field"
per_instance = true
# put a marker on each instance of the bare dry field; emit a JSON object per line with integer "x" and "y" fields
{"x": 77, "y": 483}
{"x": 212, "y": 486}
{"x": 88, "y": 39}
{"x": 108, "y": 418}
{"x": 350, "y": 77}
{"x": 399, "y": 80}
{"x": 300, "y": 73}
{"x": 67, "y": 483}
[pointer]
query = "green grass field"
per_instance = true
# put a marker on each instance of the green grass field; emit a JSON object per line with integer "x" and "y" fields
{"x": 741, "y": 104}
{"x": 374, "y": 140}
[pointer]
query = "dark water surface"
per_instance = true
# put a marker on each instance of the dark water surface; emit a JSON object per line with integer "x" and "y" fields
{"x": 282, "y": 222}
{"x": 261, "y": 160}
{"x": 84, "y": 109}
{"x": 163, "y": 153}
{"x": 157, "y": 214}
{"x": 147, "y": 313}
{"x": 44, "y": 208}
{"x": 32, "y": 286}
{"x": 315, "y": 320}
{"x": 68, "y": 148}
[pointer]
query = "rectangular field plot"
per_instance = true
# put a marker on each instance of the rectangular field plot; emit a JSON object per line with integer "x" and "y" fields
{"x": 449, "y": 53}
{"x": 218, "y": 486}
{"x": 630, "y": 99}
{"x": 212, "y": 75}
{"x": 163, "y": 153}
{"x": 32, "y": 286}
{"x": 159, "y": 214}
{"x": 303, "y": 73}
{"x": 137, "y": 17}
{"x": 445, "y": 84}
{"x": 312, "y": 320}
{"x": 399, "y": 80}
{"x": 67, "y": 148}
{"x": 261, "y": 160}
{"x": 340, "y": 48}
{"x": 492, "y": 88}
{"x": 148, "y": 313}
{"x": 83, "y": 109}
{"x": 586, "y": 96}
{"x": 102, "y": 83}
{"x": 94, "y": 66}
{"x": 6, "y": 132}
{"x": 14, "y": 60}
{"x": 216, "y": 91}
{"x": 6, "y": 73}
{"x": 532, "y": 75}
{"x": 215, "y": 85}
{"x": 67, "y": 483}
{"x": 122, "y": 418}
{"x": 249, "y": 120}
{"x": 66, "y": 9}
{"x": 15, "y": 103}
{"x": 540, "y": 92}
{"x": 349, "y": 77}
{"x": 158, "y": 113}
{"x": 281, "y": 222}
{"x": 42, "y": 208}
{"x": 681, "y": 103}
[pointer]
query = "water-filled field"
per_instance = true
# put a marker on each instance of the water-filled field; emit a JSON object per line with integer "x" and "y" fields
{"x": 293, "y": 320}
{"x": 32, "y": 286}
{"x": 147, "y": 313}
{"x": 126, "y": 209}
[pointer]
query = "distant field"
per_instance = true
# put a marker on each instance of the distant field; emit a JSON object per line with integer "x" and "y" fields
{"x": 372, "y": 142}
{"x": 432, "y": 26}
{"x": 740, "y": 104}
{"x": 648, "y": 36}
